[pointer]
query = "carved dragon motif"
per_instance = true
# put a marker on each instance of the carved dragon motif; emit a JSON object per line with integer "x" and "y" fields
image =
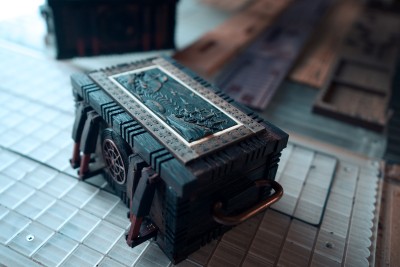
{"x": 179, "y": 107}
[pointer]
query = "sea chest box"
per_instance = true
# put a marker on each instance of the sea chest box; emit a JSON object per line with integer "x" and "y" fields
{"x": 188, "y": 160}
{"x": 93, "y": 27}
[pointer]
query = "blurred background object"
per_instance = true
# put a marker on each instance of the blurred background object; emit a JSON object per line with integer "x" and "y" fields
{"x": 86, "y": 28}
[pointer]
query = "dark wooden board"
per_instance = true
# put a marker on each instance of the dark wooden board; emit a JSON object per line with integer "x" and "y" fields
{"x": 228, "y": 5}
{"x": 313, "y": 66}
{"x": 213, "y": 50}
{"x": 359, "y": 89}
{"x": 353, "y": 105}
{"x": 389, "y": 232}
{"x": 253, "y": 77}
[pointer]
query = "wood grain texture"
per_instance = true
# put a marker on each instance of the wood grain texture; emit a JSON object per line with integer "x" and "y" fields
{"x": 317, "y": 59}
{"x": 254, "y": 76}
{"x": 395, "y": 229}
{"x": 228, "y": 5}
{"x": 214, "y": 49}
{"x": 393, "y": 171}
{"x": 358, "y": 91}
{"x": 389, "y": 230}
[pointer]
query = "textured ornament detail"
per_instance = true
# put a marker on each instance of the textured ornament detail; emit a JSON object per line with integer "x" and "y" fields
{"x": 183, "y": 110}
{"x": 189, "y": 119}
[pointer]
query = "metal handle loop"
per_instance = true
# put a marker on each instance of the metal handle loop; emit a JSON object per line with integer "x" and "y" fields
{"x": 219, "y": 217}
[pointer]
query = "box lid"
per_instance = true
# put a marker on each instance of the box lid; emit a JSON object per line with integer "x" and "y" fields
{"x": 189, "y": 119}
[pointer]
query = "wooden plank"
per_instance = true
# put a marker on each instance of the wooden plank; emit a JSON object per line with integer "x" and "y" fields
{"x": 253, "y": 77}
{"x": 389, "y": 232}
{"x": 395, "y": 229}
{"x": 366, "y": 109}
{"x": 203, "y": 255}
{"x": 363, "y": 72}
{"x": 297, "y": 249}
{"x": 242, "y": 235}
{"x": 293, "y": 179}
{"x": 393, "y": 172}
{"x": 227, "y": 5}
{"x": 273, "y": 228}
{"x": 226, "y": 255}
{"x": 306, "y": 177}
{"x": 330, "y": 245}
{"x": 319, "y": 56}
{"x": 208, "y": 54}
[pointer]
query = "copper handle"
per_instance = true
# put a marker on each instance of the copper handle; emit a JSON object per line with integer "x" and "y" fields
{"x": 219, "y": 217}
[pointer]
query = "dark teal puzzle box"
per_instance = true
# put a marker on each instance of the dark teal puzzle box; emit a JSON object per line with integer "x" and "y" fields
{"x": 189, "y": 161}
